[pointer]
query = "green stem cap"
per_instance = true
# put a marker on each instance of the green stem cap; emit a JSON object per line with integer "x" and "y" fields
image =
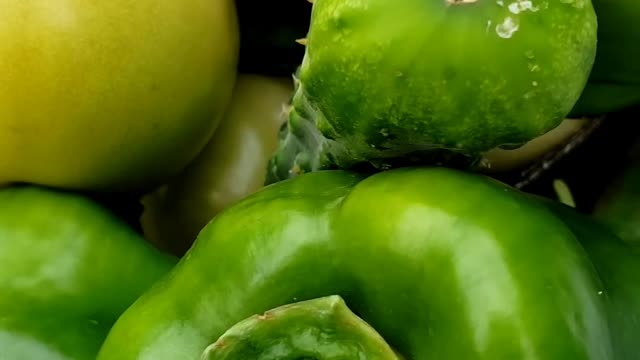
{"x": 322, "y": 328}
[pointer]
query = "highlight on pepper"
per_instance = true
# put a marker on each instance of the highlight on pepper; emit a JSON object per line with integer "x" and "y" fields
{"x": 319, "y": 180}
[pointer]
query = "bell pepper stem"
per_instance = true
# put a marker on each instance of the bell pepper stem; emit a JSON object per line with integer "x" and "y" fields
{"x": 313, "y": 329}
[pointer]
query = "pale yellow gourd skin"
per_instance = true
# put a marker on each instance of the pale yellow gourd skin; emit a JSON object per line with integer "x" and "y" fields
{"x": 115, "y": 95}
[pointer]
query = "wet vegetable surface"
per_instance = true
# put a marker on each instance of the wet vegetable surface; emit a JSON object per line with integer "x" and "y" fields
{"x": 440, "y": 82}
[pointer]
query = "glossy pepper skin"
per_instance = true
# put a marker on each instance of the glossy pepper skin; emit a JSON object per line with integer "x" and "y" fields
{"x": 69, "y": 269}
{"x": 442, "y": 264}
{"x": 618, "y": 266}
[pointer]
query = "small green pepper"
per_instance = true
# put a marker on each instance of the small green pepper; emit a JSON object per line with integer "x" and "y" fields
{"x": 69, "y": 269}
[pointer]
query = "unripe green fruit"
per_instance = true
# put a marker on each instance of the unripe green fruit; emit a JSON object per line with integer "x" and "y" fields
{"x": 385, "y": 83}
{"x": 115, "y": 95}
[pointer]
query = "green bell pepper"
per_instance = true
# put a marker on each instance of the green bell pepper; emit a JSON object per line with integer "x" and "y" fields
{"x": 69, "y": 269}
{"x": 618, "y": 266}
{"x": 442, "y": 264}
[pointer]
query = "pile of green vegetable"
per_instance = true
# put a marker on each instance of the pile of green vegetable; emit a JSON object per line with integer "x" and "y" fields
{"x": 346, "y": 179}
